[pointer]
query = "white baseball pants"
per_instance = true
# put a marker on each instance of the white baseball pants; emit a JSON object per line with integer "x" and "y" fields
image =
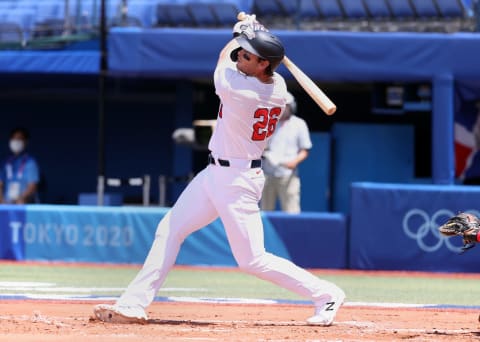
{"x": 233, "y": 194}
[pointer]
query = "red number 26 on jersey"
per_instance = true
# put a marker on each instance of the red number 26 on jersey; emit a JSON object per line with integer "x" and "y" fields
{"x": 265, "y": 127}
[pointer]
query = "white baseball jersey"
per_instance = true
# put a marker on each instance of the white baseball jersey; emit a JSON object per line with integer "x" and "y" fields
{"x": 248, "y": 113}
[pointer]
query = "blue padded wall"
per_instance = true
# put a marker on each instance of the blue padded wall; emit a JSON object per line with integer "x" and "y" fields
{"x": 369, "y": 152}
{"x": 315, "y": 174}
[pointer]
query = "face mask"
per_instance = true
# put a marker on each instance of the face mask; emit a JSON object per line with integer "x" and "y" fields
{"x": 16, "y": 145}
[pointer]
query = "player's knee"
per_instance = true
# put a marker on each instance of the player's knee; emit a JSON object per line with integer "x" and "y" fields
{"x": 254, "y": 266}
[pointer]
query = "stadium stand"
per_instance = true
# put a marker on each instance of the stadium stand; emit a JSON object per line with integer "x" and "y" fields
{"x": 380, "y": 17}
{"x": 356, "y": 14}
{"x": 308, "y": 15}
{"x": 177, "y": 15}
{"x": 50, "y": 27}
{"x": 427, "y": 15}
{"x": 290, "y": 17}
{"x": 273, "y": 14}
{"x": 332, "y": 15}
{"x": 25, "y": 18}
{"x": 39, "y": 19}
{"x": 48, "y": 10}
{"x": 403, "y": 15}
{"x": 202, "y": 14}
{"x": 142, "y": 10}
{"x": 456, "y": 16}
{"x": 225, "y": 13}
{"x": 11, "y": 33}
{"x": 161, "y": 16}
{"x": 289, "y": 6}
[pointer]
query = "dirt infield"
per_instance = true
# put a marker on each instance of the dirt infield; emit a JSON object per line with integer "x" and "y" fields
{"x": 52, "y": 321}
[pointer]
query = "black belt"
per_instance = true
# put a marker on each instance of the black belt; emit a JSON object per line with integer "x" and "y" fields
{"x": 222, "y": 162}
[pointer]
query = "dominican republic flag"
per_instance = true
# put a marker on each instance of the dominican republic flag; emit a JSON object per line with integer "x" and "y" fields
{"x": 467, "y": 160}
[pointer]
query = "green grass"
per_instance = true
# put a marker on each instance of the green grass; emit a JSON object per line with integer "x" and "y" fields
{"x": 202, "y": 282}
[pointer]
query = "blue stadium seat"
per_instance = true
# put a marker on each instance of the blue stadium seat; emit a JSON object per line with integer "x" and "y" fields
{"x": 202, "y": 14}
{"x": 267, "y": 8}
{"x": 425, "y": 9}
{"x": 403, "y": 15}
{"x": 378, "y": 9}
{"x": 225, "y": 13}
{"x": 401, "y": 9}
{"x": 356, "y": 14}
{"x": 10, "y": 32}
{"x": 161, "y": 16}
{"x": 451, "y": 8}
{"x": 49, "y": 27}
{"x": 24, "y": 18}
{"x": 143, "y": 11}
{"x": 332, "y": 14}
{"x": 289, "y": 7}
{"x": 380, "y": 15}
{"x": 173, "y": 15}
{"x": 427, "y": 15}
{"x": 456, "y": 15}
{"x": 272, "y": 14}
{"x": 49, "y": 10}
{"x": 244, "y": 5}
{"x": 308, "y": 15}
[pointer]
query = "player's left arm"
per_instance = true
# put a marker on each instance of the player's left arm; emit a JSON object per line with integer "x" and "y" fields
{"x": 247, "y": 26}
{"x": 227, "y": 49}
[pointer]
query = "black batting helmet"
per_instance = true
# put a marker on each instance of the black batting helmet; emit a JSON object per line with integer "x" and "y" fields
{"x": 265, "y": 45}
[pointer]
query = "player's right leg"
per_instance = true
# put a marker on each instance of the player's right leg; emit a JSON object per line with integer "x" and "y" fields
{"x": 243, "y": 225}
{"x": 192, "y": 211}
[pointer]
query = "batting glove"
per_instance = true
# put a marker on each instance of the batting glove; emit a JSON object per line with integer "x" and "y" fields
{"x": 248, "y": 26}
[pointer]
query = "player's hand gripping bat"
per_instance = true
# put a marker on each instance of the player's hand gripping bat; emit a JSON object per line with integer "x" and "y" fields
{"x": 305, "y": 82}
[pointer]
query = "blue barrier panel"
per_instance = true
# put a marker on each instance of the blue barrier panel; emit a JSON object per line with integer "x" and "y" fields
{"x": 395, "y": 227}
{"x": 370, "y": 153}
{"x": 125, "y": 234}
{"x": 12, "y": 218}
{"x": 313, "y": 240}
{"x": 315, "y": 174}
{"x": 88, "y": 233}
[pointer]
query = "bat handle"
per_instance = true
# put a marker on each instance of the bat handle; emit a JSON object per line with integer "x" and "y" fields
{"x": 242, "y": 16}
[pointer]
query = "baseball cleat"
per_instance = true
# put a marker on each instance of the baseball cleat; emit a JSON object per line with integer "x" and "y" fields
{"x": 119, "y": 314}
{"x": 325, "y": 312}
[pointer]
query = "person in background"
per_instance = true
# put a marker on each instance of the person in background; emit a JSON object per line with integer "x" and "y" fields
{"x": 19, "y": 175}
{"x": 287, "y": 148}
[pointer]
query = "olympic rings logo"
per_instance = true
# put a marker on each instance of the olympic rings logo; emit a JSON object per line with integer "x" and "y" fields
{"x": 422, "y": 228}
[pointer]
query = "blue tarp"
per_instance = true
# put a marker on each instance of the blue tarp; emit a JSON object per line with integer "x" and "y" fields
{"x": 125, "y": 234}
{"x": 329, "y": 56}
{"x": 323, "y": 55}
{"x": 395, "y": 227}
{"x": 66, "y": 62}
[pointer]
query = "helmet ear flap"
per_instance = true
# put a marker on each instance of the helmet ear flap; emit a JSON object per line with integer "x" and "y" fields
{"x": 234, "y": 54}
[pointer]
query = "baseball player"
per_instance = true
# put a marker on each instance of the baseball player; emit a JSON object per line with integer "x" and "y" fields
{"x": 287, "y": 148}
{"x": 252, "y": 99}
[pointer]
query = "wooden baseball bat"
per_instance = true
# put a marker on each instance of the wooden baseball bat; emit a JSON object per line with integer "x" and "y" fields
{"x": 305, "y": 82}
